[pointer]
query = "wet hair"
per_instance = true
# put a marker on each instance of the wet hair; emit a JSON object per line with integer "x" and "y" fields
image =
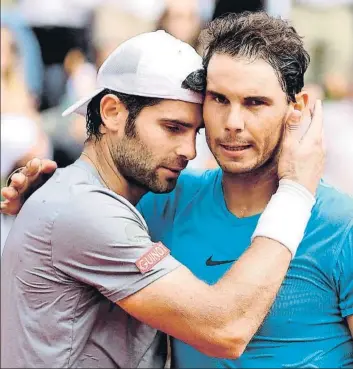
{"x": 258, "y": 35}
{"x": 195, "y": 81}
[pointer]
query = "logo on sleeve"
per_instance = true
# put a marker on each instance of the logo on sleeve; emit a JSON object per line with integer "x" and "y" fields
{"x": 152, "y": 257}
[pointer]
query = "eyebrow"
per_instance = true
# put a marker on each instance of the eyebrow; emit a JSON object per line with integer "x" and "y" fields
{"x": 209, "y": 91}
{"x": 179, "y": 122}
{"x": 268, "y": 100}
{"x": 264, "y": 98}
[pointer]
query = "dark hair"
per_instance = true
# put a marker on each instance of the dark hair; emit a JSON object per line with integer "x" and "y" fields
{"x": 134, "y": 104}
{"x": 195, "y": 81}
{"x": 260, "y": 36}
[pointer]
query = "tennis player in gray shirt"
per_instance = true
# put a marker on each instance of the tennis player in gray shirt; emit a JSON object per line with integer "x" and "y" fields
{"x": 83, "y": 285}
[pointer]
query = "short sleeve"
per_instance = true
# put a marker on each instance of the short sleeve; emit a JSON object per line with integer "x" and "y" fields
{"x": 344, "y": 273}
{"x": 97, "y": 240}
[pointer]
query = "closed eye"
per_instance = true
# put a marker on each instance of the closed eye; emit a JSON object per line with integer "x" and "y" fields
{"x": 178, "y": 129}
{"x": 174, "y": 128}
{"x": 218, "y": 98}
{"x": 178, "y": 126}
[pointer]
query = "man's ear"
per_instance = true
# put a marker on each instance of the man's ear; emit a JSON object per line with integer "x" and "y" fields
{"x": 298, "y": 115}
{"x": 301, "y": 101}
{"x": 113, "y": 113}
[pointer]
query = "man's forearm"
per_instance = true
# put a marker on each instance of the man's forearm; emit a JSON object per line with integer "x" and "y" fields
{"x": 240, "y": 301}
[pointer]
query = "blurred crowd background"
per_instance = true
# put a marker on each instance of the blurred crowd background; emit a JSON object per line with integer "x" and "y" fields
{"x": 51, "y": 49}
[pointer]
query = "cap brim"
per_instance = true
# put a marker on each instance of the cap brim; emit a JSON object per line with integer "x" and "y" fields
{"x": 80, "y": 107}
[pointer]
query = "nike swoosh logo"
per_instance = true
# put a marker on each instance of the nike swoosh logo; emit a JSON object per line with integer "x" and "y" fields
{"x": 210, "y": 262}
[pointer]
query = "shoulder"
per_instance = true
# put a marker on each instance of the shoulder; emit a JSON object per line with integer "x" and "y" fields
{"x": 331, "y": 222}
{"x": 333, "y": 206}
{"x": 328, "y": 237}
{"x": 100, "y": 216}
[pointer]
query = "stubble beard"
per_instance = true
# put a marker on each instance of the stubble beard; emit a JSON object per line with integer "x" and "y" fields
{"x": 135, "y": 161}
{"x": 263, "y": 168}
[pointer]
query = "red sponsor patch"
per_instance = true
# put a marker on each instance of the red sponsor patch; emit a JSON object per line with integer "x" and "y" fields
{"x": 153, "y": 256}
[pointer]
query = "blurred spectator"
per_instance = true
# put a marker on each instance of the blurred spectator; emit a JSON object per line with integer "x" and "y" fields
{"x": 21, "y": 135}
{"x": 12, "y": 80}
{"x": 69, "y": 133}
{"x": 60, "y": 26}
{"x": 182, "y": 19}
{"x": 115, "y": 21}
{"x": 327, "y": 27}
{"x": 142, "y": 9}
{"x": 28, "y": 48}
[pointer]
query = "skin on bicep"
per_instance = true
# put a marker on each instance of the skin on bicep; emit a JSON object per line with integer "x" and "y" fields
{"x": 172, "y": 304}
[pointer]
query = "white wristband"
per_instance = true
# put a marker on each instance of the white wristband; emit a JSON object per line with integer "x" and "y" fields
{"x": 286, "y": 215}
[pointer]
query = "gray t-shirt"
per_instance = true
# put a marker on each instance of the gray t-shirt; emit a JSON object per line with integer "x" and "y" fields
{"x": 69, "y": 257}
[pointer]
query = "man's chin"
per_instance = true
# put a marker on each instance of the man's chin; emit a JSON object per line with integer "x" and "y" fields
{"x": 236, "y": 167}
{"x": 165, "y": 186}
{"x": 249, "y": 169}
{"x": 237, "y": 171}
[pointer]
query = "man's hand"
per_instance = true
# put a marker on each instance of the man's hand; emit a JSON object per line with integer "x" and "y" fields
{"x": 23, "y": 183}
{"x": 302, "y": 156}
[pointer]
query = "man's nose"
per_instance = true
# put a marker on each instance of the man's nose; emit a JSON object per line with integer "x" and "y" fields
{"x": 235, "y": 120}
{"x": 187, "y": 148}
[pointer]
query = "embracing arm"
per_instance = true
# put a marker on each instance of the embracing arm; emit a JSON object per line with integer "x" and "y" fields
{"x": 218, "y": 320}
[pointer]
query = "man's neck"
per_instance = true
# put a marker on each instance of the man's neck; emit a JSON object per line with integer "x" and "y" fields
{"x": 248, "y": 194}
{"x": 99, "y": 157}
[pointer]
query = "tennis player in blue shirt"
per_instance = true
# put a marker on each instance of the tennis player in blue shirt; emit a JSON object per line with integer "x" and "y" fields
{"x": 255, "y": 69}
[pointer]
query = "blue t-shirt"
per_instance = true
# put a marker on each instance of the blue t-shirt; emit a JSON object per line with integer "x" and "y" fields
{"x": 306, "y": 325}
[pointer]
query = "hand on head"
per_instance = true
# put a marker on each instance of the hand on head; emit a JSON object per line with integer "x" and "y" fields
{"x": 302, "y": 155}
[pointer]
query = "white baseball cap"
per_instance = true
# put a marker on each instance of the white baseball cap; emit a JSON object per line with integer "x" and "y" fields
{"x": 152, "y": 64}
